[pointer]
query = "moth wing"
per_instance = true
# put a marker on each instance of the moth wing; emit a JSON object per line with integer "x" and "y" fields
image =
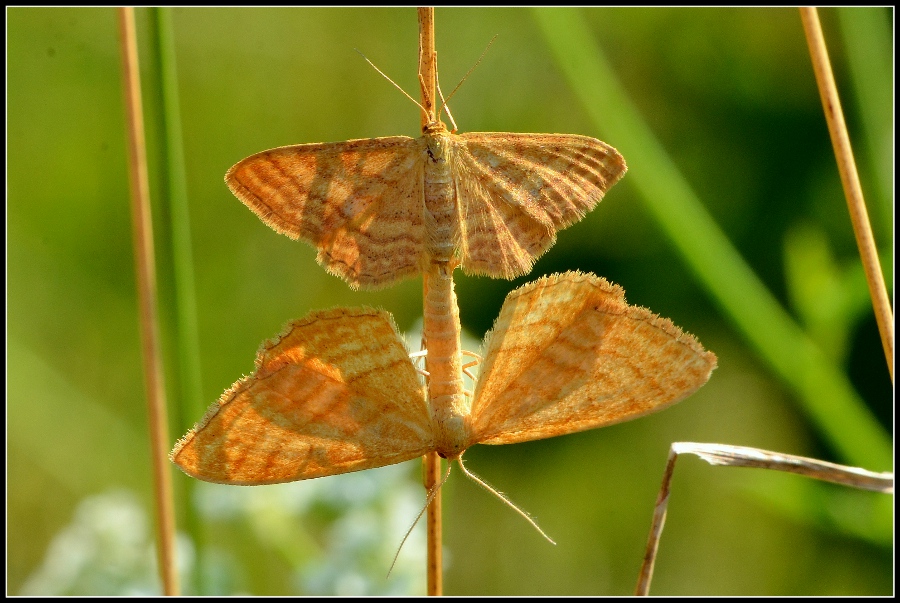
{"x": 359, "y": 203}
{"x": 335, "y": 393}
{"x": 516, "y": 191}
{"x": 568, "y": 354}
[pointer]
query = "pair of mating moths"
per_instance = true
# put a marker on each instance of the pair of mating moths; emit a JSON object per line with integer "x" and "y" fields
{"x": 337, "y": 391}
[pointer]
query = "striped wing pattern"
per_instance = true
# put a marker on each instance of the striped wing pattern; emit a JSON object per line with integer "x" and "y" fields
{"x": 359, "y": 203}
{"x": 515, "y": 191}
{"x": 568, "y": 354}
{"x": 335, "y": 393}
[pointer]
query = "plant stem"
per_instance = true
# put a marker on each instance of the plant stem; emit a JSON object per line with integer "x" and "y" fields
{"x": 145, "y": 268}
{"x": 843, "y": 153}
{"x": 431, "y": 461}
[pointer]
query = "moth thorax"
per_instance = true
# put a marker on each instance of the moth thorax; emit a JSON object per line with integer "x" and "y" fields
{"x": 441, "y": 215}
{"x": 451, "y": 430}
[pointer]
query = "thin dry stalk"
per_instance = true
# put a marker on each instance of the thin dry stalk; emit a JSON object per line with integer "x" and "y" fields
{"x": 741, "y": 456}
{"x": 431, "y": 477}
{"x": 427, "y": 62}
{"x": 142, "y": 227}
{"x": 837, "y": 128}
{"x": 431, "y": 461}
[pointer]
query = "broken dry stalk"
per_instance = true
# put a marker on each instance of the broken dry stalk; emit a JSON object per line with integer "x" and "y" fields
{"x": 742, "y": 456}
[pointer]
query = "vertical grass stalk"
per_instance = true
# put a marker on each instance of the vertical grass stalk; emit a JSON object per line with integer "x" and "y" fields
{"x": 145, "y": 268}
{"x": 843, "y": 153}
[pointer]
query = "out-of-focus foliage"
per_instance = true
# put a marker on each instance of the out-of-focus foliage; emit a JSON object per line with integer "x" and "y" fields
{"x": 731, "y": 97}
{"x": 323, "y": 538}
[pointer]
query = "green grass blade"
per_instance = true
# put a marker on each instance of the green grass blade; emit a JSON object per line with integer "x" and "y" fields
{"x": 190, "y": 399}
{"x": 185, "y": 297}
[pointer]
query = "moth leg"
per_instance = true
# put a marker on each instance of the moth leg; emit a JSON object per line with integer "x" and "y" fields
{"x": 416, "y": 357}
{"x": 468, "y": 365}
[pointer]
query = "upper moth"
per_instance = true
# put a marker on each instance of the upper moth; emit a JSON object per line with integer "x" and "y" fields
{"x": 382, "y": 209}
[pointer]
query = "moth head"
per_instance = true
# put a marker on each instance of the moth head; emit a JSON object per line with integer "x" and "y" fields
{"x": 437, "y": 141}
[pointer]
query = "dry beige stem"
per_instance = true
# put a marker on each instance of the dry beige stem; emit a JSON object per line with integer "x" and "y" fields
{"x": 382, "y": 209}
{"x": 338, "y": 393}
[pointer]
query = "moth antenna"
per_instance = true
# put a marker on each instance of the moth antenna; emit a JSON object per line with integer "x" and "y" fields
{"x": 472, "y": 355}
{"x": 389, "y": 79}
{"x": 443, "y": 102}
{"x": 467, "y": 74}
{"x": 431, "y": 118}
{"x": 502, "y": 497}
{"x": 431, "y": 494}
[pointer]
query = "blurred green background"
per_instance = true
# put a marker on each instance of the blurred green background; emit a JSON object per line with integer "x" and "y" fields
{"x": 723, "y": 112}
